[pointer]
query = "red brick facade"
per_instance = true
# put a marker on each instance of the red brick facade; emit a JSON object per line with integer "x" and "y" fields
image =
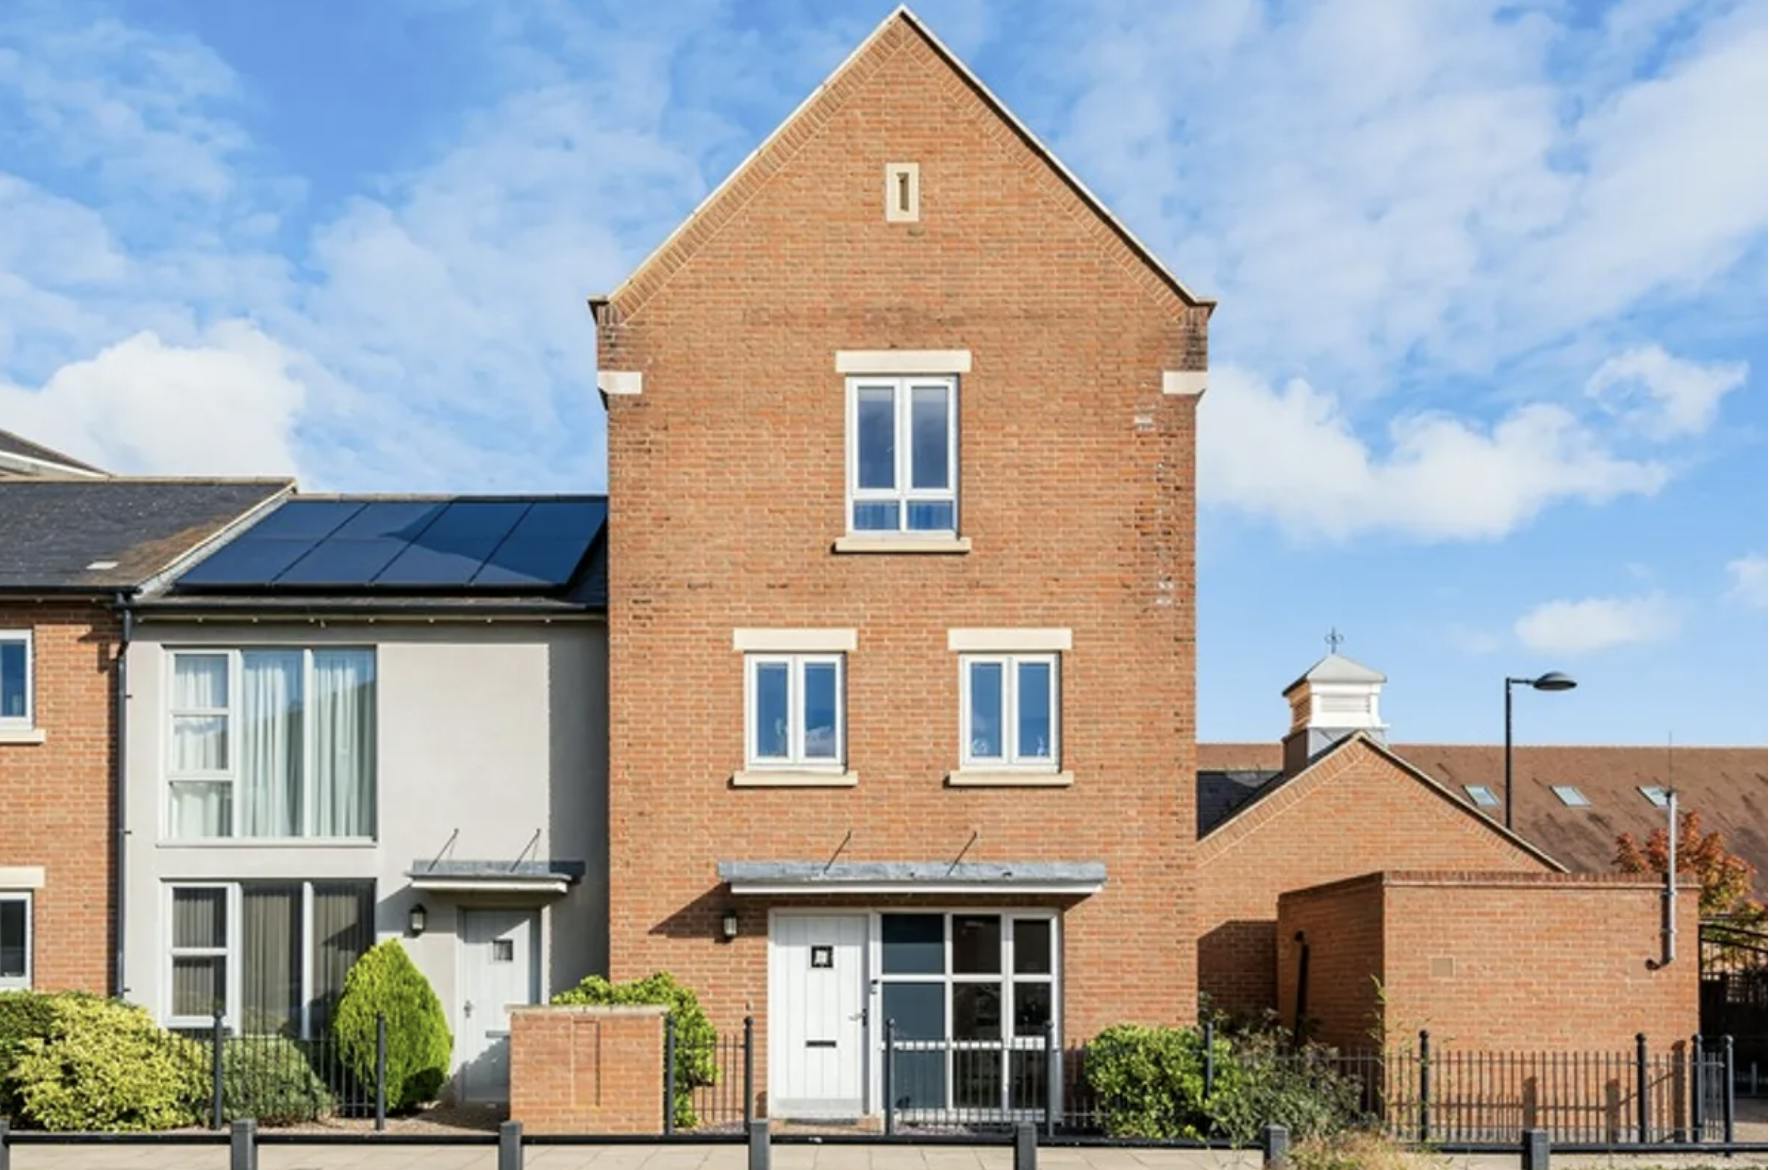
{"x": 726, "y": 483}
{"x": 56, "y": 796}
{"x": 587, "y": 1069}
{"x": 1355, "y": 811}
{"x": 1495, "y": 961}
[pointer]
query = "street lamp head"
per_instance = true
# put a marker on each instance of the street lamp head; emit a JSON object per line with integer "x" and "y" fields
{"x": 1553, "y": 681}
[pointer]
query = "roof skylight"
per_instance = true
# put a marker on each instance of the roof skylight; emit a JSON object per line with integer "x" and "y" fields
{"x": 1571, "y": 796}
{"x": 1482, "y": 795}
{"x": 1657, "y": 796}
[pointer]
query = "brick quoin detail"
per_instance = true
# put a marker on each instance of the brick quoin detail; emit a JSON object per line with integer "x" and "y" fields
{"x": 726, "y": 480}
{"x": 587, "y": 1069}
{"x": 1355, "y": 812}
{"x": 56, "y": 800}
{"x": 1490, "y": 961}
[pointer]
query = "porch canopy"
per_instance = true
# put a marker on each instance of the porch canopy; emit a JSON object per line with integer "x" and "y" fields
{"x": 779, "y": 878}
{"x": 494, "y": 877}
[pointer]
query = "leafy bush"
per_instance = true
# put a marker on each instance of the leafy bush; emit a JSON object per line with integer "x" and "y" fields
{"x": 695, "y": 1037}
{"x": 272, "y": 1079}
{"x": 102, "y": 1064}
{"x": 383, "y": 981}
{"x": 1150, "y": 1083}
{"x": 24, "y": 1015}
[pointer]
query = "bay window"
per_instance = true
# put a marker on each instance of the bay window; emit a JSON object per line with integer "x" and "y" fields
{"x": 270, "y": 955}
{"x": 1008, "y": 711}
{"x": 903, "y": 455}
{"x": 271, "y": 743}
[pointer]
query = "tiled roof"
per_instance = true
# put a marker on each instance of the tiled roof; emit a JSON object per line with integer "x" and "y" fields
{"x": 1726, "y": 785}
{"x": 36, "y": 453}
{"x": 54, "y": 531}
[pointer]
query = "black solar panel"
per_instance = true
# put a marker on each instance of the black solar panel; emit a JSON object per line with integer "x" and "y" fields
{"x": 393, "y": 545}
{"x": 546, "y": 545}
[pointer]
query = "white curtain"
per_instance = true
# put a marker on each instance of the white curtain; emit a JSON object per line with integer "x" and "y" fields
{"x": 199, "y": 744}
{"x": 270, "y": 743}
{"x": 344, "y": 743}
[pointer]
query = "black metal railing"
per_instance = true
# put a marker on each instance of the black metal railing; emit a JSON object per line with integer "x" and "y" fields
{"x": 285, "y": 1080}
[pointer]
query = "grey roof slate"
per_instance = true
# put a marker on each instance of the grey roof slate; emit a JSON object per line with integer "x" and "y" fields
{"x": 52, "y": 529}
{"x": 1338, "y": 668}
{"x": 16, "y": 444}
{"x": 981, "y": 873}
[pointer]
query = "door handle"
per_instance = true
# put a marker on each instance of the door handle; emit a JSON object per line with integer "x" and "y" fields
{"x": 861, "y": 1015}
{"x": 467, "y": 1008}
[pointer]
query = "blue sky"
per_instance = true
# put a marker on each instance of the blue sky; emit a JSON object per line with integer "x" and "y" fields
{"x": 1488, "y": 376}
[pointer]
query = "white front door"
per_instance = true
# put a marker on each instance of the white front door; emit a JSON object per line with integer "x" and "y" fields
{"x": 499, "y": 966}
{"x": 817, "y": 1019}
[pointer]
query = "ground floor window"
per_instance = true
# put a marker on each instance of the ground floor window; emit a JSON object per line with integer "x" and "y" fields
{"x": 970, "y": 996}
{"x": 15, "y": 941}
{"x": 271, "y": 955}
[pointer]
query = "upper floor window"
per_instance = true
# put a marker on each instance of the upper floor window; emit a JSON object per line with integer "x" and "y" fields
{"x": 903, "y": 455}
{"x": 795, "y": 710}
{"x": 271, "y": 743}
{"x": 15, "y": 679}
{"x": 1008, "y": 710}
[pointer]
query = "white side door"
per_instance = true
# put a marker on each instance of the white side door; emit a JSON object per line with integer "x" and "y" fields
{"x": 499, "y": 966}
{"x": 817, "y": 1019}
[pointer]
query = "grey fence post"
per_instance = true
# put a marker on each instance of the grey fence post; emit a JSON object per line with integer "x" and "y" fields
{"x": 242, "y": 1145}
{"x": 5, "y": 1147}
{"x": 1536, "y": 1150}
{"x": 1643, "y": 1122}
{"x": 1210, "y": 1057}
{"x": 215, "y": 1071}
{"x": 669, "y": 1074}
{"x": 510, "y": 1145}
{"x": 1275, "y": 1145}
{"x": 1698, "y": 1079}
{"x": 380, "y": 1071}
{"x": 759, "y": 1149}
{"x": 890, "y": 1078}
{"x": 1026, "y": 1146}
{"x": 1053, "y": 1080}
{"x": 1726, "y": 1089}
{"x": 1425, "y": 1085}
{"x": 750, "y": 1073}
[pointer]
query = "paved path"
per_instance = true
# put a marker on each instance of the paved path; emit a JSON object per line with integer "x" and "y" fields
{"x": 730, "y": 1157}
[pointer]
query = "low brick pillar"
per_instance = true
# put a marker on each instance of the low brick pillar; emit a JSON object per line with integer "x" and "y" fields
{"x": 587, "y": 1069}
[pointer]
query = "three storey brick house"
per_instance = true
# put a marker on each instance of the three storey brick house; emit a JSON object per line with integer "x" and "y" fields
{"x": 901, "y": 430}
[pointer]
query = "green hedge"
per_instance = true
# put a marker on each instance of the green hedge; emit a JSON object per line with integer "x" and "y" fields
{"x": 383, "y": 981}
{"x": 24, "y": 1015}
{"x": 270, "y": 1078}
{"x": 98, "y": 1064}
{"x": 695, "y": 1038}
{"x": 1150, "y": 1084}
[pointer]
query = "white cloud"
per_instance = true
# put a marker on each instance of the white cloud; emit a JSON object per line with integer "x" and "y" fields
{"x": 1663, "y": 396}
{"x": 1597, "y": 623}
{"x": 1747, "y": 580}
{"x": 225, "y": 407}
{"x": 1291, "y": 455}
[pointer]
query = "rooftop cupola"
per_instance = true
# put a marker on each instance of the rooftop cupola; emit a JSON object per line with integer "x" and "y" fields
{"x": 1333, "y": 699}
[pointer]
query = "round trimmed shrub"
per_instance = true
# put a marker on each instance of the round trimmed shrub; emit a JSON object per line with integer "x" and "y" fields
{"x": 102, "y": 1064}
{"x": 695, "y": 1038}
{"x": 271, "y": 1078}
{"x": 384, "y": 981}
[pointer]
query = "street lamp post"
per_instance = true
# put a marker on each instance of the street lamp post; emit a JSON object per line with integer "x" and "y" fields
{"x": 1554, "y": 680}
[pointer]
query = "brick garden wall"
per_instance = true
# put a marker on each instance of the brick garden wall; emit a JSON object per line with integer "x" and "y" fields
{"x": 1355, "y": 812}
{"x": 587, "y": 1069}
{"x": 1495, "y": 961}
{"x": 56, "y": 806}
{"x": 726, "y": 481}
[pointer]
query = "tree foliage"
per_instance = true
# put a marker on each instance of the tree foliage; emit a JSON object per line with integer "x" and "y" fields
{"x": 1726, "y": 878}
{"x": 384, "y": 981}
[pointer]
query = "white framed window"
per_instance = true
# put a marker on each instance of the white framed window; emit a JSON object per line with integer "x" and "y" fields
{"x": 271, "y": 955}
{"x": 793, "y": 711}
{"x": 903, "y": 455}
{"x": 15, "y": 940}
{"x": 971, "y": 996}
{"x": 16, "y": 667}
{"x": 1008, "y": 711}
{"x": 272, "y": 742}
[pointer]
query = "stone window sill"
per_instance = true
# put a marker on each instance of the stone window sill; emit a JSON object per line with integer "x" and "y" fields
{"x": 1008, "y": 778}
{"x": 948, "y": 545}
{"x": 21, "y": 735}
{"x": 790, "y": 779}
